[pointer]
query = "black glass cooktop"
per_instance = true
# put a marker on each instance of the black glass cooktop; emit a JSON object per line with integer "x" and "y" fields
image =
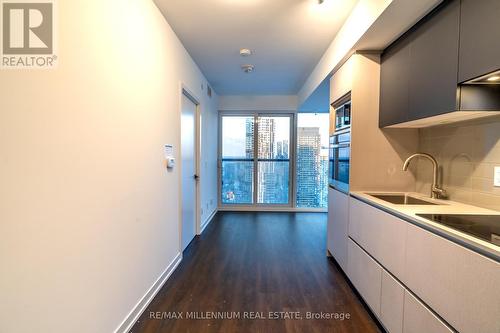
{"x": 485, "y": 227}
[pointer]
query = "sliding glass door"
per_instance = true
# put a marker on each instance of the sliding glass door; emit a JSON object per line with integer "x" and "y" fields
{"x": 255, "y": 157}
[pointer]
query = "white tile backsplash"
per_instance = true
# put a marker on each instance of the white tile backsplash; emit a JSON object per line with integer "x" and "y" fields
{"x": 467, "y": 153}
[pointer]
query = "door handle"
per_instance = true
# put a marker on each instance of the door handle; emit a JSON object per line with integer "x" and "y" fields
{"x": 196, "y": 177}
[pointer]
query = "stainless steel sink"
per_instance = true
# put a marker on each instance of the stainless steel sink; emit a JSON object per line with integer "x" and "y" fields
{"x": 402, "y": 199}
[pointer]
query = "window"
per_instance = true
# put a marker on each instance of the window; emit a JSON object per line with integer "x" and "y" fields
{"x": 312, "y": 160}
{"x": 255, "y": 161}
{"x": 266, "y": 161}
{"x": 237, "y": 162}
{"x": 273, "y": 162}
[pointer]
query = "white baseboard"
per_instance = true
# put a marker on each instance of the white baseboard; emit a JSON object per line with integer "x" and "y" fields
{"x": 143, "y": 303}
{"x": 207, "y": 221}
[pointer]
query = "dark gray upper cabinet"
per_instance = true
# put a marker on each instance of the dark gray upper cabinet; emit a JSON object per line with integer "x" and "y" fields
{"x": 479, "y": 38}
{"x": 394, "y": 78}
{"x": 434, "y": 63}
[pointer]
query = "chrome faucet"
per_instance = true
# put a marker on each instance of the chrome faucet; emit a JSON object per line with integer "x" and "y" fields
{"x": 436, "y": 191}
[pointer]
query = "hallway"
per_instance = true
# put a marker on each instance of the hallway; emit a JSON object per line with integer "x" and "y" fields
{"x": 253, "y": 264}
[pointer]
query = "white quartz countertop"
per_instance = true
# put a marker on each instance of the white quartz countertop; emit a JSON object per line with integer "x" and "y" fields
{"x": 409, "y": 213}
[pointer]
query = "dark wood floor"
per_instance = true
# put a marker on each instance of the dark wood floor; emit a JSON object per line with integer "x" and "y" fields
{"x": 258, "y": 262}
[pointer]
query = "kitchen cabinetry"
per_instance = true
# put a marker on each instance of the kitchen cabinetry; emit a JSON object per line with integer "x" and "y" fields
{"x": 419, "y": 72}
{"x": 443, "y": 282}
{"x": 392, "y": 303}
{"x": 434, "y": 64}
{"x": 418, "y": 318}
{"x": 398, "y": 310}
{"x": 366, "y": 275}
{"x": 380, "y": 234}
{"x": 479, "y": 38}
{"x": 394, "y": 84}
{"x": 341, "y": 83}
{"x": 338, "y": 220}
{"x": 459, "y": 284}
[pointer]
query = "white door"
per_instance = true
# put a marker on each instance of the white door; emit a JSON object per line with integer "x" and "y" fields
{"x": 188, "y": 157}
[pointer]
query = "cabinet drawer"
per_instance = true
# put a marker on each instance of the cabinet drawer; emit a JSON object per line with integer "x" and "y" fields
{"x": 460, "y": 285}
{"x": 366, "y": 275}
{"x": 418, "y": 318}
{"x": 391, "y": 303}
{"x": 380, "y": 234}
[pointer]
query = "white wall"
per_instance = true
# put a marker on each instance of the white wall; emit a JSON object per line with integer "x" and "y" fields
{"x": 89, "y": 216}
{"x": 258, "y": 103}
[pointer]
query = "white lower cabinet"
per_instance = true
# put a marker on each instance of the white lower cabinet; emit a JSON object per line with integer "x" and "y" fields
{"x": 389, "y": 257}
{"x": 380, "y": 234}
{"x": 366, "y": 275}
{"x": 338, "y": 220}
{"x": 397, "y": 309}
{"x": 419, "y": 319}
{"x": 462, "y": 286}
{"x": 392, "y": 303}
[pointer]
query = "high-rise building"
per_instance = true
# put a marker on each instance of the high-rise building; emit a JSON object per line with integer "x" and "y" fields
{"x": 323, "y": 181}
{"x": 286, "y": 151}
{"x": 266, "y": 140}
{"x": 249, "y": 143}
{"x": 309, "y": 167}
{"x": 273, "y": 180}
{"x": 279, "y": 149}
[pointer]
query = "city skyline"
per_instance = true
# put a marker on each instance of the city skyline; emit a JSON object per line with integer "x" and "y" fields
{"x": 273, "y": 161}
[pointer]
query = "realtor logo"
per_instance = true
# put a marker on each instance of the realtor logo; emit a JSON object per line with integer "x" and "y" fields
{"x": 27, "y": 34}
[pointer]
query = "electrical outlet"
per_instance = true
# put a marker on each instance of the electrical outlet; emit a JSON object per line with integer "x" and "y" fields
{"x": 497, "y": 176}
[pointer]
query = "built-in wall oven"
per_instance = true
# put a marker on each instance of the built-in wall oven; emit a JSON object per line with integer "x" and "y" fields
{"x": 340, "y": 145}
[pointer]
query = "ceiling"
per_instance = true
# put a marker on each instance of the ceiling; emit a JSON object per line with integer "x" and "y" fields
{"x": 288, "y": 37}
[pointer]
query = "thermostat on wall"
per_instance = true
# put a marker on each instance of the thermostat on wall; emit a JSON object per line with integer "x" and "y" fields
{"x": 497, "y": 176}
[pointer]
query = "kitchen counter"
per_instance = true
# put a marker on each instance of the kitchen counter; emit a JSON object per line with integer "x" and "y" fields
{"x": 409, "y": 214}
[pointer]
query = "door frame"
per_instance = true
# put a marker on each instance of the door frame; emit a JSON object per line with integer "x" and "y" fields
{"x": 292, "y": 167}
{"x": 185, "y": 91}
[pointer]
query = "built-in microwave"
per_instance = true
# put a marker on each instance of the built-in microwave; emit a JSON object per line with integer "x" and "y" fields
{"x": 343, "y": 116}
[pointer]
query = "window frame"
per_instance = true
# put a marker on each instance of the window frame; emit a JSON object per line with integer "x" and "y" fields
{"x": 293, "y": 177}
{"x": 256, "y": 160}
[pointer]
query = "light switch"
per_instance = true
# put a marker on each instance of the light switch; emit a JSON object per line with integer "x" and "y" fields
{"x": 497, "y": 176}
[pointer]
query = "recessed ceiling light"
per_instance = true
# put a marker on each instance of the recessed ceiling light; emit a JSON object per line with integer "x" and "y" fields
{"x": 245, "y": 52}
{"x": 247, "y": 68}
{"x": 493, "y": 78}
